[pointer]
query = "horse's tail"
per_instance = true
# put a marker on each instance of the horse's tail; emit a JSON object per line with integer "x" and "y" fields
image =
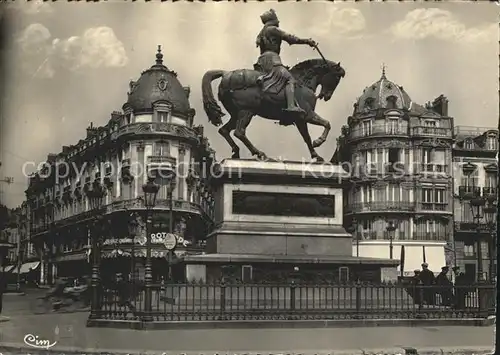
{"x": 210, "y": 105}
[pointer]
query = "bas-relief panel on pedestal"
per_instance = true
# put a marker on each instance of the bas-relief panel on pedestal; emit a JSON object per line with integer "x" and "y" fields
{"x": 283, "y": 204}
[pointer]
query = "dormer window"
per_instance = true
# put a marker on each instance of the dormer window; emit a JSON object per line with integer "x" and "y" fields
{"x": 128, "y": 118}
{"x": 369, "y": 103}
{"x": 430, "y": 123}
{"x": 491, "y": 143}
{"x": 391, "y": 101}
{"x": 162, "y": 148}
{"x": 469, "y": 144}
{"x": 163, "y": 116}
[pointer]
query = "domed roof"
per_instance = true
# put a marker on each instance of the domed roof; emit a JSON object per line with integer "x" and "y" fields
{"x": 383, "y": 94}
{"x": 155, "y": 84}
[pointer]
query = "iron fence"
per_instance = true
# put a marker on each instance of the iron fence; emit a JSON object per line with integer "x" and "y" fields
{"x": 204, "y": 302}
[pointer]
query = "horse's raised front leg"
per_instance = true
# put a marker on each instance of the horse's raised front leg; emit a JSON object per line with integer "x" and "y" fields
{"x": 317, "y": 120}
{"x": 243, "y": 120}
{"x": 304, "y": 132}
{"x": 225, "y": 131}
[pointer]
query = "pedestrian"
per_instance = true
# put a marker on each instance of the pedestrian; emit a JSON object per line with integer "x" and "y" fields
{"x": 428, "y": 281}
{"x": 445, "y": 289}
{"x": 416, "y": 289}
{"x": 124, "y": 292}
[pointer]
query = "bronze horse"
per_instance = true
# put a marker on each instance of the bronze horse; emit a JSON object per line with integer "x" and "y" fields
{"x": 241, "y": 94}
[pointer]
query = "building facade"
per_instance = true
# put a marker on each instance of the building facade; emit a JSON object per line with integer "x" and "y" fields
{"x": 476, "y": 175}
{"x": 154, "y": 132}
{"x": 399, "y": 158}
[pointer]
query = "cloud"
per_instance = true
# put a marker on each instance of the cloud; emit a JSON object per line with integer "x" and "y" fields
{"x": 348, "y": 22}
{"x": 42, "y": 56}
{"x": 443, "y": 25}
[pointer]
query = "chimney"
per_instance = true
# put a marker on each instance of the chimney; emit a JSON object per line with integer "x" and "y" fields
{"x": 187, "y": 91}
{"x": 440, "y": 105}
{"x": 65, "y": 149}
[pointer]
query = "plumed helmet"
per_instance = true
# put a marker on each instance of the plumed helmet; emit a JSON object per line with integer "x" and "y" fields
{"x": 269, "y": 16}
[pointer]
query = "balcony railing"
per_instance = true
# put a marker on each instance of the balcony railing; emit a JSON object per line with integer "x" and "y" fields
{"x": 431, "y": 236}
{"x": 469, "y": 192}
{"x": 470, "y": 226}
{"x": 381, "y": 206}
{"x": 431, "y": 131}
{"x": 161, "y": 159}
{"x": 376, "y": 130}
{"x": 156, "y": 128}
{"x": 490, "y": 191}
{"x": 433, "y": 206}
{"x": 434, "y": 168}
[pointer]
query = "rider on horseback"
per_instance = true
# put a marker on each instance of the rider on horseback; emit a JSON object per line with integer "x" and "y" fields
{"x": 276, "y": 74}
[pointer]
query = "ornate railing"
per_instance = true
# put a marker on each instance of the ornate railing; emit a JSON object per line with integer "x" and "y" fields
{"x": 490, "y": 191}
{"x": 376, "y": 130}
{"x": 156, "y": 127}
{"x": 381, "y": 206}
{"x": 433, "y": 206}
{"x": 469, "y": 192}
{"x": 226, "y": 302}
{"x": 431, "y": 131}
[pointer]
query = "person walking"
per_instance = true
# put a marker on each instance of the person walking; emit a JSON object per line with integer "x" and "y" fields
{"x": 428, "y": 280}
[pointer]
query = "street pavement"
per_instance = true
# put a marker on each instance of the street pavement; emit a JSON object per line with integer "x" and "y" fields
{"x": 69, "y": 331}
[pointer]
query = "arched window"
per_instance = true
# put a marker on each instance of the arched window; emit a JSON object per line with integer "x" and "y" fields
{"x": 491, "y": 143}
{"x": 469, "y": 143}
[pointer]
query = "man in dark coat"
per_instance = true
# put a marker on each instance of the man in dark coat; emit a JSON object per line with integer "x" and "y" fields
{"x": 428, "y": 280}
{"x": 445, "y": 286}
{"x": 416, "y": 289}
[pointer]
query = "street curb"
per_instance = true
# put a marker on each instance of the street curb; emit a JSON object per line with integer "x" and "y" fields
{"x": 14, "y": 294}
{"x": 22, "y": 348}
{"x": 253, "y": 324}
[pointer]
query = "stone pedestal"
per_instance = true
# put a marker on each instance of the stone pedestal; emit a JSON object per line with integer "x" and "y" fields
{"x": 277, "y": 218}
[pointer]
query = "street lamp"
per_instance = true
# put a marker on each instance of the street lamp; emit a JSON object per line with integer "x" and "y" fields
{"x": 150, "y": 192}
{"x": 95, "y": 196}
{"x": 391, "y": 227}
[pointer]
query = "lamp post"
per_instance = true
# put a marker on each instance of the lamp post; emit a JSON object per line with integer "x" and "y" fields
{"x": 171, "y": 186}
{"x": 490, "y": 214}
{"x": 483, "y": 208}
{"x": 95, "y": 199}
{"x": 150, "y": 192}
{"x": 391, "y": 227}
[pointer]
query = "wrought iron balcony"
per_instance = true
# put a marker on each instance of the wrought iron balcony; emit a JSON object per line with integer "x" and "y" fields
{"x": 431, "y": 236}
{"x": 490, "y": 191}
{"x": 376, "y": 130}
{"x": 381, "y": 206}
{"x": 470, "y": 226}
{"x": 156, "y": 128}
{"x": 420, "y": 131}
{"x": 433, "y": 206}
{"x": 469, "y": 192}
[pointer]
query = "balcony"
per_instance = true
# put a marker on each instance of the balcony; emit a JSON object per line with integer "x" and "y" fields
{"x": 433, "y": 168}
{"x": 471, "y": 227}
{"x": 431, "y": 236}
{"x": 469, "y": 192}
{"x": 162, "y": 164}
{"x": 379, "y": 206}
{"x": 424, "y": 131}
{"x": 433, "y": 206}
{"x": 376, "y": 130}
{"x": 156, "y": 128}
{"x": 490, "y": 191}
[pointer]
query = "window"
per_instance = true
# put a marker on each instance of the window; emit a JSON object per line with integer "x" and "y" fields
{"x": 426, "y": 156}
{"x": 343, "y": 274}
{"x": 246, "y": 273}
{"x": 126, "y": 151}
{"x": 427, "y": 195}
{"x": 394, "y": 155}
{"x": 367, "y": 194}
{"x": 430, "y": 123}
{"x": 469, "y": 143}
{"x": 490, "y": 179}
{"x": 469, "y": 250}
{"x": 430, "y": 226}
{"x": 367, "y": 127}
{"x": 392, "y": 126}
{"x": 393, "y": 193}
{"x": 367, "y": 224}
{"x": 162, "y": 148}
{"x": 128, "y": 119}
{"x": 368, "y": 104}
{"x": 491, "y": 143}
{"x": 439, "y": 196}
{"x": 163, "y": 116}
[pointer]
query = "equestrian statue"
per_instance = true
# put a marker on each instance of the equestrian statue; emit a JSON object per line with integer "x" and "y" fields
{"x": 272, "y": 91}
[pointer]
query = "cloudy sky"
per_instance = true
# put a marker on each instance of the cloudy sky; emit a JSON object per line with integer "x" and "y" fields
{"x": 70, "y": 63}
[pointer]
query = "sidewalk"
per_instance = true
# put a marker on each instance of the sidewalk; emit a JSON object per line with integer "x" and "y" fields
{"x": 71, "y": 335}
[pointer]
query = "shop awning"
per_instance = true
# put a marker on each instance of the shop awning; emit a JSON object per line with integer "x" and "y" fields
{"x": 25, "y": 268}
